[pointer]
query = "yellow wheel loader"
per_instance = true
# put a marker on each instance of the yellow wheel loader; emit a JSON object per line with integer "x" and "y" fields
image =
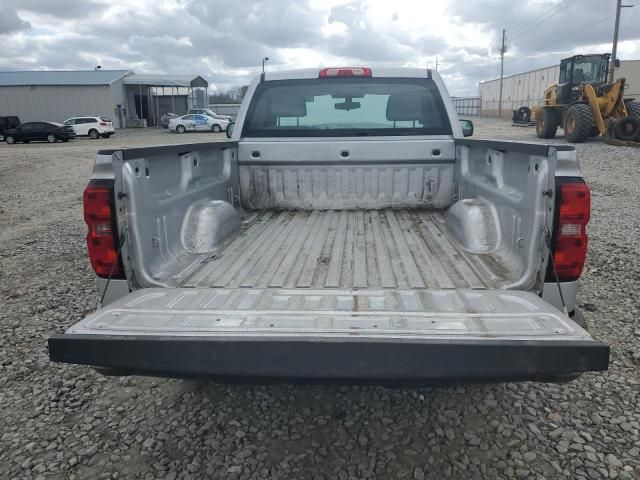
{"x": 585, "y": 104}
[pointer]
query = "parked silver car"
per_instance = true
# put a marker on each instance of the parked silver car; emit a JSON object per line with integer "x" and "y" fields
{"x": 210, "y": 113}
{"x": 197, "y": 123}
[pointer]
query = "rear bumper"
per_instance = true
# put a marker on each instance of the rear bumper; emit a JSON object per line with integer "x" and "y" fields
{"x": 395, "y": 362}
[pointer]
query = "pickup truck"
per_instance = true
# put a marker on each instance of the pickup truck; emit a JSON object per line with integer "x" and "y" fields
{"x": 347, "y": 232}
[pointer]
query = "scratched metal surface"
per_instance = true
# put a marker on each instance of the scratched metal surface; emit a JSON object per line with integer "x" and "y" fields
{"x": 346, "y": 249}
{"x": 345, "y": 314}
{"x": 369, "y": 186}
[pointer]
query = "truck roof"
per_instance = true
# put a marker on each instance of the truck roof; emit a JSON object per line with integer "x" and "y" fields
{"x": 308, "y": 73}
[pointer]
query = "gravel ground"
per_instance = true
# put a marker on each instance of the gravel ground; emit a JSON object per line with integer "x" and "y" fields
{"x": 60, "y": 421}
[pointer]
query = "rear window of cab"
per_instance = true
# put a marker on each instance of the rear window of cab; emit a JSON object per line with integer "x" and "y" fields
{"x": 346, "y": 106}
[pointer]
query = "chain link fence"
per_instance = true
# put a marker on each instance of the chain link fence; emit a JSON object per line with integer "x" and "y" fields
{"x": 490, "y": 107}
{"x": 467, "y": 106}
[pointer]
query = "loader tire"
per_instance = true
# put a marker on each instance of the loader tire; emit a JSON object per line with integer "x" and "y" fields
{"x": 633, "y": 108}
{"x": 578, "y": 123}
{"x": 547, "y": 122}
{"x": 627, "y": 129}
{"x": 522, "y": 115}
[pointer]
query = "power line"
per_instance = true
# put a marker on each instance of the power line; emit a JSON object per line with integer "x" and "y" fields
{"x": 557, "y": 40}
{"x": 523, "y": 25}
{"x": 544, "y": 18}
{"x": 577, "y": 31}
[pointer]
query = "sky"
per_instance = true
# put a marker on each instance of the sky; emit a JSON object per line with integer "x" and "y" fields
{"x": 225, "y": 41}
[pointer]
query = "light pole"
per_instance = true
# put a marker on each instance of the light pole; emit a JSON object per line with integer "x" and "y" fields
{"x": 614, "y": 50}
{"x": 265, "y": 59}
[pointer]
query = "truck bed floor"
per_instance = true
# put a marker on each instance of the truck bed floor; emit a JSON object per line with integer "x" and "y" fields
{"x": 396, "y": 249}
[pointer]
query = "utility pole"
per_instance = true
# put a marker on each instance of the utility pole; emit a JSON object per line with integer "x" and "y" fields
{"x": 503, "y": 49}
{"x": 616, "y": 28}
{"x": 436, "y": 64}
{"x": 614, "y": 50}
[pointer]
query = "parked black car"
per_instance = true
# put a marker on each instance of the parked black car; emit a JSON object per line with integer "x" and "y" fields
{"x": 46, "y": 131}
{"x": 6, "y": 123}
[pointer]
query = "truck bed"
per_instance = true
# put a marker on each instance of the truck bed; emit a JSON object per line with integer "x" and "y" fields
{"x": 388, "y": 248}
{"x": 338, "y": 250}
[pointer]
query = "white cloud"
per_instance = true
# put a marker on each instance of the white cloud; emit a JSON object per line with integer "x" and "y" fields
{"x": 226, "y": 41}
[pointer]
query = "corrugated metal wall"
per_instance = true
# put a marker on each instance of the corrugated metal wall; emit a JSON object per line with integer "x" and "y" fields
{"x": 55, "y": 103}
{"x": 527, "y": 89}
{"x": 631, "y": 71}
{"x": 517, "y": 90}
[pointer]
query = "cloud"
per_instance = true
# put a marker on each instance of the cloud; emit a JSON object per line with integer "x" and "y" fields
{"x": 276, "y": 23}
{"x": 540, "y": 33}
{"x": 226, "y": 45}
{"x": 365, "y": 41}
{"x": 10, "y": 21}
{"x": 63, "y": 9}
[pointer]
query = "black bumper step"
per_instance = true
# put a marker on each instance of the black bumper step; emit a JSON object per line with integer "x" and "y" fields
{"x": 393, "y": 361}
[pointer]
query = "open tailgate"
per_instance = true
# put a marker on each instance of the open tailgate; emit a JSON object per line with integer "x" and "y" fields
{"x": 379, "y": 336}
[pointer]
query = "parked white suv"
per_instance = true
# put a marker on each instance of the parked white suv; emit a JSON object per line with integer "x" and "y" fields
{"x": 93, "y": 127}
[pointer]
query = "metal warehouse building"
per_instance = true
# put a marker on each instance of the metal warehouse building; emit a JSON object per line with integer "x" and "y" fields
{"x": 527, "y": 89}
{"x": 129, "y": 99}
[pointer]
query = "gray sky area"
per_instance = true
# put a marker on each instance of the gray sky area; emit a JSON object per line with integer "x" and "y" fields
{"x": 225, "y": 41}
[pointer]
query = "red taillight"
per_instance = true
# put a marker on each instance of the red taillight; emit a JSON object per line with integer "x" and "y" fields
{"x": 102, "y": 239}
{"x": 345, "y": 72}
{"x": 569, "y": 243}
{"x": 103, "y": 124}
